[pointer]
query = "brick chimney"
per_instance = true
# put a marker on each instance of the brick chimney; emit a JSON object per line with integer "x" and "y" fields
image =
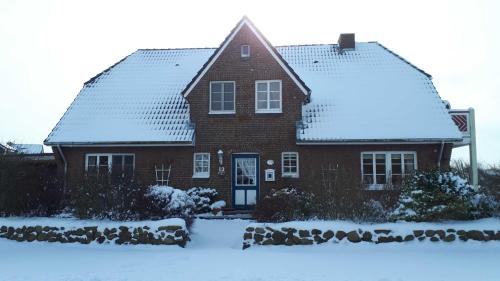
{"x": 346, "y": 41}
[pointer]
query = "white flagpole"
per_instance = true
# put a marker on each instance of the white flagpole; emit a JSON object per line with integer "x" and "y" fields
{"x": 472, "y": 148}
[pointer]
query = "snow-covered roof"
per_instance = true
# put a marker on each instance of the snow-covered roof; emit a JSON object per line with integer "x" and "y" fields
{"x": 137, "y": 100}
{"x": 367, "y": 94}
{"x": 5, "y": 147}
{"x": 362, "y": 94}
{"x": 25, "y": 148}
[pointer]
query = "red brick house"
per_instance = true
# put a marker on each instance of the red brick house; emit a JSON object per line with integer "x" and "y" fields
{"x": 249, "y": 116}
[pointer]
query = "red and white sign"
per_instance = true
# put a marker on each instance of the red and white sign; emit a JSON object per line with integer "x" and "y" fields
{"x": 461, "y": 119}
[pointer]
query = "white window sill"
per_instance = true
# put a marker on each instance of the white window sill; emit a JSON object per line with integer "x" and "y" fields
{"x": 269, "y": 111}
{"x": 203, "y": 176}
{"x": 221, "y": 112}
{"x": 375, "y": 187}
{"x": 294, "y": 176}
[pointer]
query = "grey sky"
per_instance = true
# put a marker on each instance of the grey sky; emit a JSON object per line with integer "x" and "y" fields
{"x": 49, "y": 48}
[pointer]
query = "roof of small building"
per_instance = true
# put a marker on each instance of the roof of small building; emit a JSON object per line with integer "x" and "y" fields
{"x": 26, "y": 148}
{"x": 5, "y": 147}
{"x": 362, "y": 94}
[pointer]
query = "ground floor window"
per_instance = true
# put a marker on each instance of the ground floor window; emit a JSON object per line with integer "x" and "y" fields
{"x": 119, "y": 166}
{"x": 201, "y": 165}
{"x": 290, "y": 164}
{"x": 381, "y": 169}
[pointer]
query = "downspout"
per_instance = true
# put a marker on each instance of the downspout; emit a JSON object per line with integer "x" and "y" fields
{"x": 440, "y": 157}
{"x": 65, "y": 168}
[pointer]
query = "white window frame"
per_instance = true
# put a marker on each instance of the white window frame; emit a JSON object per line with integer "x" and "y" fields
{"x": 201, "y": 174}
{"x": 110, "y": 160}
{"x": 283, "y": 173}
{"x": 269, "y": 110}
{"x": 243, "y": 54}
{"x": 210, "y": 111}
{"x": 388, "y": 167}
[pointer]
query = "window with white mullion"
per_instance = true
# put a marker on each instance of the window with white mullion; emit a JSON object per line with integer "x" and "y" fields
{"x": 201, "y": 165}
{"x": 382, "y": 168}
{"x": 222, "y": 97}
{"x": 290, "y": 164}
{"x": 120, "y": 166}
{"x": 268, "y": 96}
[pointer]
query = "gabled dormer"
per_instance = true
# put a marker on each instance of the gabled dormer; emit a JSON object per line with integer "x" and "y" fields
{"x": 246, "y": 77}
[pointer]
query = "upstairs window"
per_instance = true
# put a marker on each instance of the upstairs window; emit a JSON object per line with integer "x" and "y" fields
{"x": 245, "y": 51}
{"x": 268, "y": 96}
{"x": 381, "y": 169}
{"x": 222, "y": 97}
{"x": 290, "y": 164}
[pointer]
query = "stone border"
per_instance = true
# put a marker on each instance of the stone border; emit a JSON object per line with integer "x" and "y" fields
{"x": 265, "y": 235}
{"x": 163, "y": 235}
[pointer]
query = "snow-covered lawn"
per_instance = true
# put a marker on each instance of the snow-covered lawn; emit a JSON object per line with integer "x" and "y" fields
{"x": 215, "y": 254}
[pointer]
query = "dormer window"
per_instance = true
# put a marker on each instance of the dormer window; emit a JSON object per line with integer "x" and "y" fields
{"x": 268, "y": 96}
{"x": 245, "y": 51}
{"x": 222, "y": 97}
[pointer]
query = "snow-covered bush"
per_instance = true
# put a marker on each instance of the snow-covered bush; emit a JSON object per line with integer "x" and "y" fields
{"x": 217, "y": 206}
{"x": 284, "y": 205}
{"x": 203, "y": 198}
{"x": 435, "y": 195}
{"x": 166, "y": 201}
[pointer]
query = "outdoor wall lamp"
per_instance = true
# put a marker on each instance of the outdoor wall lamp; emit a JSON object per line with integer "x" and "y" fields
{"x": 220, "y": 155}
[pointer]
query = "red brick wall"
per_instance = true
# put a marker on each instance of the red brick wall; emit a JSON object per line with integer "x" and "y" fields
{"x": 245, "y": 131}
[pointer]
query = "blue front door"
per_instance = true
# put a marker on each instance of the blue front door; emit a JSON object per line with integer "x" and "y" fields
{"x": 245, "y": 180}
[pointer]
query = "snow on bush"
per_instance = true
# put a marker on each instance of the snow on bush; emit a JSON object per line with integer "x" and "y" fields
{"x": 217, "y": 205}
{"x": 167, "y": 201}
{"x": 203, "y": 198}
{"x": 435, "y": 195}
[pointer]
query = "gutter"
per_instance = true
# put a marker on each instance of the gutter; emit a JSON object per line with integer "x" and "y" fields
{"x": 377, "y": 141}
{"x": 65, "y": 168}
{"x": 119, "y": 144}
{"x": 440, "y": 155}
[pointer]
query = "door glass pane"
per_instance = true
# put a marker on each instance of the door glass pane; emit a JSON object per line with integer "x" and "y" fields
{"x": 251, "y": 197}
{"x": 239, "y": 197}
{"x": 246, "y": 171}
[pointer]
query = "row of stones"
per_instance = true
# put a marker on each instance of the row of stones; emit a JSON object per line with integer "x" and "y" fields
{"x": 164, "y": 235}
{"x": 292, "y": 236}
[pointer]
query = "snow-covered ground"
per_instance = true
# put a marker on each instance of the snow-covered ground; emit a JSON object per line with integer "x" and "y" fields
{"x": 215, "y": 254}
